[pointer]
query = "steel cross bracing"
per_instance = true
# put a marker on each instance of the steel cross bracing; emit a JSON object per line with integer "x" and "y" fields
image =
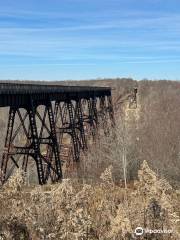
{"x": 52, "y": 130}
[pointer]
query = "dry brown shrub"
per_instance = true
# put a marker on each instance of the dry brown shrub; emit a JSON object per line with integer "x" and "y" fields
{"x": 105, "y": 211}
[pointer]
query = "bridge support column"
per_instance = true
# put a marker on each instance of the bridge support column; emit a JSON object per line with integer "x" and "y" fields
{"x": 29, "y": 140}
{"x": 36, "y": 143}
{"x": 6, "y": 153}
{"x": 80, "y": 122}
{"x": 110, "y": 111}
{"x": 92, "y": 116}
{"x": 70, "y": 128}
{"x": 54, "y": 144}
{"x": 106, "y": 113}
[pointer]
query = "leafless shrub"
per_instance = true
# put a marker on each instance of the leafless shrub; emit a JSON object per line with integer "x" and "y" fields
{"x": 100, "y": 211}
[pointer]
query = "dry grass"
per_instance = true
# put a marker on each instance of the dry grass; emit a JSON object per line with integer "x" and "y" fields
{"x": 70, "y": 210}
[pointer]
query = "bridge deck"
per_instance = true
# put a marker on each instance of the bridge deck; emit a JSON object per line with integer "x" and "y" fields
{"x": 18, "y": 93}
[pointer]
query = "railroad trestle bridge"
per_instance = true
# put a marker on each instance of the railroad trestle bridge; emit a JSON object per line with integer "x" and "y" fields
{"x": 40, "y": 119}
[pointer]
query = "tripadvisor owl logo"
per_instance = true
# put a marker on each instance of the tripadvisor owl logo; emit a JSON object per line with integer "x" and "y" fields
{"x": 139, "y": 231}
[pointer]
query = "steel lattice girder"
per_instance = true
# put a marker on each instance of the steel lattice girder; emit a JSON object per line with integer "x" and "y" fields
{"x": 76, "y": 117}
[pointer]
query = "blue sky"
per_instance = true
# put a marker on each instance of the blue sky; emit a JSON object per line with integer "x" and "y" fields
{"x": 85, "y": 39}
